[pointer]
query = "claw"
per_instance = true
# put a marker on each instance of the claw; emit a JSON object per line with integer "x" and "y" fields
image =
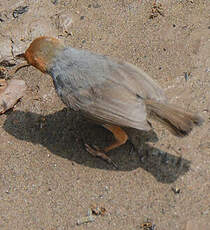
{"x": 97, "y": 153}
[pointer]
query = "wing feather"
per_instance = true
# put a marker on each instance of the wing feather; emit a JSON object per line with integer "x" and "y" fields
{"x": 103, "y": 88}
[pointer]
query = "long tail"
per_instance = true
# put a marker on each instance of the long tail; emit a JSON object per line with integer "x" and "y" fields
{"x": 180, "y": 123}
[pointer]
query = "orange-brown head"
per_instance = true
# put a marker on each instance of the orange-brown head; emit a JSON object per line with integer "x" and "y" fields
{"x": 42, "y": 51}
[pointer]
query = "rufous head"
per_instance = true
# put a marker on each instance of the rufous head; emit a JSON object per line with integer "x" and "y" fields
{"x": 42, "y": 51}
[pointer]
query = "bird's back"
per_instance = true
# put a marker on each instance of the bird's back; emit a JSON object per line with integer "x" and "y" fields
{"x": 103, "y": 87}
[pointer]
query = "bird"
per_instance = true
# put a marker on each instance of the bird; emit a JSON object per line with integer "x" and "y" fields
{"x": 113, "y": 93}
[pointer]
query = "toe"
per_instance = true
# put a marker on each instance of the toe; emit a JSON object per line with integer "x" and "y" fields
{"x": 90, "y": 150}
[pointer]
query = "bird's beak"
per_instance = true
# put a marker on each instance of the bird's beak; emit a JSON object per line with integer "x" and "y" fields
{"x": 22, "y": 55}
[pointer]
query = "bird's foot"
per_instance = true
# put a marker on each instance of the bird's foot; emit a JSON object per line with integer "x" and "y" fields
{"x": 96, "y": 152}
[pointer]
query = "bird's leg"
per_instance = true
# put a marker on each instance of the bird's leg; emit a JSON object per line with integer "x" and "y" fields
{"x": 120, "y": 138}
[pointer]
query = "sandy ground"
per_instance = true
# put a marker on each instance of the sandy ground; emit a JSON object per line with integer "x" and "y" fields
{"x": 47, "y": 179}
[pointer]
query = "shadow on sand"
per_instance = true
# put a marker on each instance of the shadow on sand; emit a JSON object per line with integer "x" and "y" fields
{"x": 64, "y": 133}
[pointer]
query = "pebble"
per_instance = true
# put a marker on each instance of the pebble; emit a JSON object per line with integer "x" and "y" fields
{"x": 187, "y": 75}
{"x": 54, "y": 2}
{"x": 10, "y": 94}
{"x": 87, "y": 219}
{"x": 65, "y": 22}
{"x": 176, "y": 190}
{"x": 20, "y": 10}
{"x": 96, "y": 5}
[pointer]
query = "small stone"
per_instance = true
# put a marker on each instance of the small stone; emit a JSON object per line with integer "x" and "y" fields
{"x": 96, "y": 5}
{"x": 148, "y": 225}
{"x": 205, "y": 212}
{"x": 64, "y": 23}
{"x": 10, "y": 92}
{"x": 187, "y": 75}
{"x": 20, "y": 10}
{"x": 176, "y": 190}
{"x": 97, "y": 210}
{"x": 85, "y": 220}
{"x": 54, "y": 2}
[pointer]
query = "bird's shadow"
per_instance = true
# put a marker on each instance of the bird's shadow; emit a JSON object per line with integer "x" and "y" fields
{"x": 65, "y": 132}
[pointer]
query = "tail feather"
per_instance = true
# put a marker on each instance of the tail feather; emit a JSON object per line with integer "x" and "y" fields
{"x": 179, "y": 122}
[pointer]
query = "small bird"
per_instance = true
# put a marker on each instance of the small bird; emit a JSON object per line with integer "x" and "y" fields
{"x": 113, "y": 93}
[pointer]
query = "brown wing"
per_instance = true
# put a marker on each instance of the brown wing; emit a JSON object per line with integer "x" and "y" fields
{"x": 112, "y": 104}
{"x": 103, "y": 88}
{"x": 138, "y": 81}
